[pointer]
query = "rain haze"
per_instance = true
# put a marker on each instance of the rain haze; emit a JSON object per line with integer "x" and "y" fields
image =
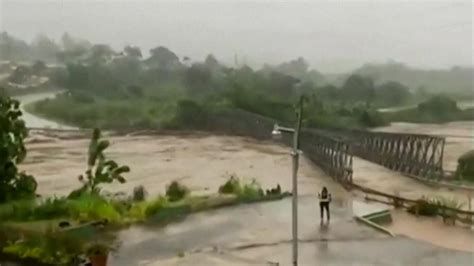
{"x": 232, "y": 133}
{"x": 332, "y": 36}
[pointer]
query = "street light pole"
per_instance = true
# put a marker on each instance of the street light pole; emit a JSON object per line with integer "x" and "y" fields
{"x": 295, "y": 156}
{"x": 295, "y": 160}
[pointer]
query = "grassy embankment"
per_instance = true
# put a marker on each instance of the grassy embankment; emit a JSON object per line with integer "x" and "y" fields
{"x": 36, "y": 221}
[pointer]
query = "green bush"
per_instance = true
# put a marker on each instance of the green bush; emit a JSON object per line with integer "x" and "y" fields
{"x": 51, "y": 208}
{"x": 176, "y": 191}
{"x": 28, "y": 210}
{"x": 274, "y": 191}
{"x": 139, "y": 193}
{"x": 50, "y": 248}
{"x": 86, "y": 207}
{"x": 465, "y": 168}
{"x": 424, "y": 207}
{"x": 90, "y": 207}
{"x": 100, "y": 170}
{"x": 439, "y": 104}
{"x": 190, "y": 114}
{"x": 13, "y": 184}
{"x": 231, "y": 186}
{"x": 17, "y": 210}
{"x": 449, "y": 203}
{"x": 155, "y": 206}
{"x": 252, "y": 191}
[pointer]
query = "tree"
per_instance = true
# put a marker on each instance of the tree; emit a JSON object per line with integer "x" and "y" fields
{"x": 198, "y": 79}
{"x": 162, "y": 57}
{"x": 132, "y": 51}
{"x": 126, "y": 69}
{"x": 297, "y": 67}
{"x": 393, "y": 93}
{"x": 38, "y": 67}
{"x": 70, "y": 43}
{"x": 12, "y": 48}
{"x": 13, "y": 184}
{"x": 359, "y": 88}
{"x": 329, "y": 92}
{"x": 44, "y": 48}
{"x": 135, "y": 90}
{"x": 243, "y": 77}
{"x": 100, "y": 53}
{"x": 281, "y": 85}
{"x": 78, "y": 76}
{"x": 190, "y": 114}
{"x": 439, "y": 105}
{"x": 186, "y": 60}
{"x": 211, "y": 62}
{"x": 19, "y": 75}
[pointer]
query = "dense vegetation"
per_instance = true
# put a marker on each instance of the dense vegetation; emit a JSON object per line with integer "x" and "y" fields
{"x": 126, "y": 89}
{"x": 456, "y": 81}
{"x": 41, "y": 48}
{"x": 438, "y": 109}
{"x": 111, "y": 89}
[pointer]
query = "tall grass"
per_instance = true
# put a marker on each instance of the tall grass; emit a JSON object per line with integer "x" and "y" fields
{"x": 85, "y": 208}
{"x": 93, "y": 207}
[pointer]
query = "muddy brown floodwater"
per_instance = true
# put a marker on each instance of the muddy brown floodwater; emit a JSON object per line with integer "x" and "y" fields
{"x": 459, "y": 137}
{"x": 458, "y": 141}
{"x": 432, "y": 230}
{"x": 202, "y": 162}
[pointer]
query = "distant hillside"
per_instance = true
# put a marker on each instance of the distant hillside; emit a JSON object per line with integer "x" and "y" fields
{"x": 457, "y": 80}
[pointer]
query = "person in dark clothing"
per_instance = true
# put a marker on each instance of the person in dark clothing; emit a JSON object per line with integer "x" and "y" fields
{"x": 324, "y": 200}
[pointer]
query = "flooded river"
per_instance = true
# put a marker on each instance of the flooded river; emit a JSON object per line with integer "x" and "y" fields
{"x": 34, "y": 120}
{"x": 204, "y": 162}
{"x": 459, "y": 137}
{"x": 461, "y": 104}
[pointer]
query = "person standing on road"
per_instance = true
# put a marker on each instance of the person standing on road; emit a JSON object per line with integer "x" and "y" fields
{"x": 324, "y": 200}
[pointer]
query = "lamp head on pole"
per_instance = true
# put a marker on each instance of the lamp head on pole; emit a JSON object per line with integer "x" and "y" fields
{"x": 276, "y": 132}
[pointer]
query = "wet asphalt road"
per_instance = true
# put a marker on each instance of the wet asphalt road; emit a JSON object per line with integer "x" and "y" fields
{"x": 260, "y": 234}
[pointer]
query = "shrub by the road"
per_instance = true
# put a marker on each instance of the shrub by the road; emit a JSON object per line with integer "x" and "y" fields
{"x": 231, "y": 186}
{"x": 176, "y": 191}
{"x": 244, "y": 192}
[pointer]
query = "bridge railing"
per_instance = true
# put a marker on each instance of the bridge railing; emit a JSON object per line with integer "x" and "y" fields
{"x": 414, "y": 154}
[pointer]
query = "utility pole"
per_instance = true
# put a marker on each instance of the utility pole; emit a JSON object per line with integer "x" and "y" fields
{"x": 277, "y": 130}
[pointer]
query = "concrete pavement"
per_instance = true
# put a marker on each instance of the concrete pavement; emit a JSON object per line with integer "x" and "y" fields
{"x": 260, "y": 234}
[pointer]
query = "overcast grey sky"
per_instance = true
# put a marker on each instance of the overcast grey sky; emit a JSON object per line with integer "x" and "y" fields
{"x": 334, "y": 36}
